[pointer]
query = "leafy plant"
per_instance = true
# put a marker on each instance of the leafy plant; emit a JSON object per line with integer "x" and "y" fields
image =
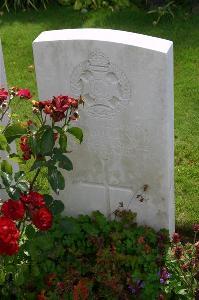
{"x": 23, "y": 4}
{"x": 45, "y": 143}
{"x": 88, "y": 257}
{"x": 162, "y": 11}
{"x": 94, "y": 4}
{"x": 182, "y": 264}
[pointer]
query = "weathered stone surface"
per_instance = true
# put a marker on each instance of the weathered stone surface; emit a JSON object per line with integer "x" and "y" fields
{"x": 3, "y": 83}
{"x": 127, "y": 154}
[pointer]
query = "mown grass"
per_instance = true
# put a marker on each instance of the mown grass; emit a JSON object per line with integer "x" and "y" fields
{"x": 18, "y": 30}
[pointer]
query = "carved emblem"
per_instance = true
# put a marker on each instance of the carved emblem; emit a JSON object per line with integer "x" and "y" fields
{"x": 104, "y": 86}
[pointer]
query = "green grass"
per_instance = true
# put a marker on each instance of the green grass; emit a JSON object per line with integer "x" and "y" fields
{"x": 17, "y": 32}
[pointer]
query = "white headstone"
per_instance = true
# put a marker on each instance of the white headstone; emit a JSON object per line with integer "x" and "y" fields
{"x": 127, "y": 154}
{"x": 3, "y": 83}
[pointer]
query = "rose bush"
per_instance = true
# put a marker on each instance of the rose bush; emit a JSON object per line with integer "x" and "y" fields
{"x": 45, "y": 144}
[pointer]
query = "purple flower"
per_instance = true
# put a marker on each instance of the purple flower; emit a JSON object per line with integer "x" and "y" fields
{"x": 131, "y": 289}
{"x": 164, "y": 275}
{"x": 136, "y": 287}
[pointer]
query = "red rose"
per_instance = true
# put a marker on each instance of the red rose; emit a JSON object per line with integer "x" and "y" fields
{"x": 60, "y": 103}
{"x": 24, "y": 93}
{"x": 57, "y": 116}
{"x": 48, "y": 109}
{"x": 42, "y": 218}
{"x": 12, "y": 248}
{"x": 176, "y": 238}
{"x": 3, "y": 95}
{"x": 42, "y": 104}
{"x": 25, "y": 198}
{"x": 36, "y": 199}
{"x": 50, "y": 279}
{"x": 9, "y": 236}
{"x": 73, "y": 102}
{"x": 41, "y": 296}
{"x": 13, "y": 209}
{"x": 25, "y": 148}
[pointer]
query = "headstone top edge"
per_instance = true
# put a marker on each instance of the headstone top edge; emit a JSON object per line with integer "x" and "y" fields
{"x": 106, "y": 35}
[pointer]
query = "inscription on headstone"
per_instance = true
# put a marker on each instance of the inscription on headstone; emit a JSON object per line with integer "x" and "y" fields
{"x": 127, "y": 82}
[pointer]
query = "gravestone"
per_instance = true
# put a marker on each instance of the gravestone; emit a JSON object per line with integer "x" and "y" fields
{"x": 127, "y": 154}
{"x": 3, "y": 84}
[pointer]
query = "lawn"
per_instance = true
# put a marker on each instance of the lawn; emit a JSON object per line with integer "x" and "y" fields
{"x": 18, "y": 30}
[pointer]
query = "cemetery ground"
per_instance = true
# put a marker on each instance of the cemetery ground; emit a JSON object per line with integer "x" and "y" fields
{"x": 18, "y": 30}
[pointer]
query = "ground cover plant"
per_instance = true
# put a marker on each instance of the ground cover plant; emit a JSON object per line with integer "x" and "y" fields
{"x": 88, "y": 257}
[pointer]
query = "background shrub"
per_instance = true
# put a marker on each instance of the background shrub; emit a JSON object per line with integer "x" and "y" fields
{"x": 23, "y": 4}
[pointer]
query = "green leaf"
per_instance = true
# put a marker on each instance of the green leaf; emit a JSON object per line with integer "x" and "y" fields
{"x": 38, "y": 164}
{"x": 66, "y": 163}
{"x": 77, "y": 5}
{"x": 30, "y": 231}
{"x": 14, "y": 131}
{"x": 6, "y": 178}
{"x": 23, "y": 186}
{"x": 59, "y": 130}
{"x": 2, "y": 276}
{"x": 3, "y": 142}
{"x": 6, "y": 167}
{"x": 16, "y": 158}
{"x": 76, "y": 132}
{"x": 57, "y": 207}
{"x": 34, "y": 145}
{"x": 55, "y": 179}
{"x": 48, "y": 199}
{"x": 63, "y": 142}
{"x": 19, "y": 279}
{"x": 47, "y": 141}
{"x": 19, "y": 175}
{"x": 13, "y": 193}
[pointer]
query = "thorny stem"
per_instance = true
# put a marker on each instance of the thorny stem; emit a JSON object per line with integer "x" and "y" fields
{"x": 3, "y": 114}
